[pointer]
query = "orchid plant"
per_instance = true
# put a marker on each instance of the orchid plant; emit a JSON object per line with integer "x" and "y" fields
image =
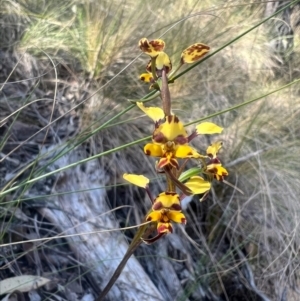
{"x": 170, "y": 145}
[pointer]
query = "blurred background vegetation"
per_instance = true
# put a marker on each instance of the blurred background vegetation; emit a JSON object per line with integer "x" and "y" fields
{"x": 68, "y": 67}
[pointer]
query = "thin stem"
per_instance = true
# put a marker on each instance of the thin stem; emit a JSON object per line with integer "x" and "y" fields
{"x": 118, "y": 271}
{"x": 165, "y": 94}
{"x": 136, "y": 242}
{"x": 153, "y": 68}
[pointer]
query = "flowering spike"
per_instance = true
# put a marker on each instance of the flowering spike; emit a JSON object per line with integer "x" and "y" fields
{"x": 208, "y": 128}
{"x": 193, "y": 53}
{"x": 138, "y": 180}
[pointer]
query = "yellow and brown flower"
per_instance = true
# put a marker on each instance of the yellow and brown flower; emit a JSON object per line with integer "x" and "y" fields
{"x": 164, "y": 219}
{"x": 214, "y": 166}
{"x": 170, "y": 139}
{"x": 159, "y": 59}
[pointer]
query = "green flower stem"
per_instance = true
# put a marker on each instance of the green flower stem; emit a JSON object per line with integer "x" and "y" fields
{"x": 136, "y": 242}
{"x": 143, "y": 139}
{"x": 153, "y": 68}
{"x": 165, "y": 94}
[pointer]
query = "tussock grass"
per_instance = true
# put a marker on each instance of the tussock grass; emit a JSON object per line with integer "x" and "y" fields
{"x": 230, "y": 237}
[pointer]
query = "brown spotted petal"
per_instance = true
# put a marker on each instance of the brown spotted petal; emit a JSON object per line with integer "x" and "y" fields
{"x": 152, "y": 48}
{"x": 193, "y": 53}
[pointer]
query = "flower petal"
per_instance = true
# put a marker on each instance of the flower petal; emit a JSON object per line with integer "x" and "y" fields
{"x": 208, "y": 128}
{"x": 177, "y": 217}
{"x": 194, "y": 52}
{"x": 154, "y": 150}
{"x": 185, "y": 151}
{"x": 217, "y": 170}
{"x": 138, "y": 180}
{"x": 213, "y": 149}
{"x": 163, "y": 60}
{"x": 152, "y": 48}
{"x": 169, "y": 200}
{"x": 154, "y": 113}
{"x": 197, "y": 185}
{"x": 146, "y": 77}
{"x": 154, "y": 216}
{"x": 172, "y": 128}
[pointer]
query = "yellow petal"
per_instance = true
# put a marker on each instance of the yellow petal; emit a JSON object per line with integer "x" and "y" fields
{"x": 154, "y": 216}
{"x": 208, "y": 128}
{"x": 146, "y": 77}
{"x": 217, "y": 170}
{"x": 163, "y": 60}
{"x": 185, "y": 151}
{"x": 194, "y": 52}
{"x": 138, "y": 180}
{"x": 222, "y": 171}
{"x": 154, "y": 150}
{"x": 172, "y": 128}
{"x": 197, "y": 185}
{"x": 177, "y": 217}
{"x": 213, "y": 149}
{"x": 167, "y": 200}
{"x": 152, "y": 48}
{"x": 154, "y": 113}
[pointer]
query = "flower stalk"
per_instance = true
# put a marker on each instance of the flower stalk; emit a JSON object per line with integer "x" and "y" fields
{"x": 170, "y": 145}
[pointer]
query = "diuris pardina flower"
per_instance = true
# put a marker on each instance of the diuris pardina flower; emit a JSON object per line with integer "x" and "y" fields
{"x": 160, "y": 60}
{"x": 170, "y": 140}
{"x": 165, "y": 208}
{"x": 214, "y": 166}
